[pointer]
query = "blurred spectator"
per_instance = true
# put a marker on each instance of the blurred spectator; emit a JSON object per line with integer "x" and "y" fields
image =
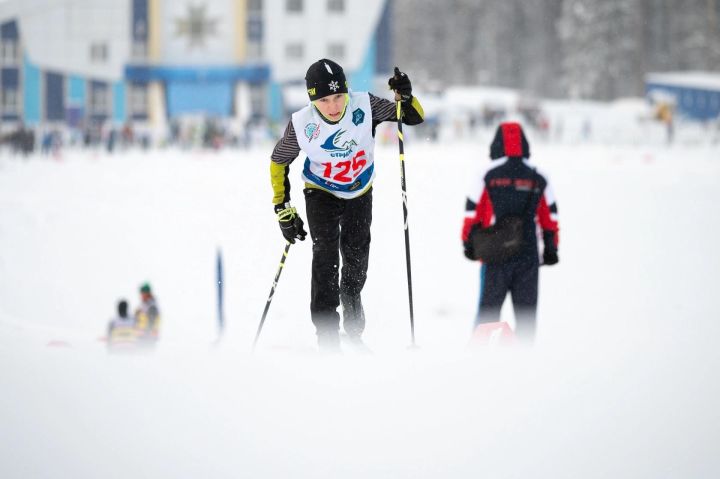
{"x": 111, "y": 139}
{"x": 21, "y": 140}
{"x": 147, "y": 315}
{"x": 665, "y": 115}
{"x": 587, "y": 129}
{"x": 51, "y": 142}
{"x": 128, "y": 134}
{"x": 543, "y": 125}
{"x": 492, "y": 115}
{"x": 121, "y": 330}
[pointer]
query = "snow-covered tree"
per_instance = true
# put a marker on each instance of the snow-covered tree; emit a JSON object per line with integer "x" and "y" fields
{"x": 580, "y": 48}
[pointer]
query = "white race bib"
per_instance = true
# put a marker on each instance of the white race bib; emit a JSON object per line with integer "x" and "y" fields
{"x": 340, "y": 156}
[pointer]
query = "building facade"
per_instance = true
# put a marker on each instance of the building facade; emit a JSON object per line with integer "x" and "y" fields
{"x": 62, "y": 61}
{"x": 76, "y": 62}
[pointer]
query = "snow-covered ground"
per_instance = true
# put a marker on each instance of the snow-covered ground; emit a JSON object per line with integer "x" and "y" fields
{"x": 621, "y": 383}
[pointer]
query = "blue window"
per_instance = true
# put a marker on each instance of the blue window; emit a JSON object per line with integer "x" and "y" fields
{"x": 54, "y": 97}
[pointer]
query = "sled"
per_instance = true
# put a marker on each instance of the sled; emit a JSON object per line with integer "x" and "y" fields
{"x": 493, "y": 334}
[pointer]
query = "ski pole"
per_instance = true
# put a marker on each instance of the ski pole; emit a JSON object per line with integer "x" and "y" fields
{"x": 405, "y": 209}
{"x": 272, "y": 293}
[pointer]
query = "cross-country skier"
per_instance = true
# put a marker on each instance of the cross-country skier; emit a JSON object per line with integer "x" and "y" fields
{"x": 336, "y": 134}
{"x": 512, "y": 186}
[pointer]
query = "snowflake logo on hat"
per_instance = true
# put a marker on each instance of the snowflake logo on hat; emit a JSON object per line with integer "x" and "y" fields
{"x": 333, "y": 85}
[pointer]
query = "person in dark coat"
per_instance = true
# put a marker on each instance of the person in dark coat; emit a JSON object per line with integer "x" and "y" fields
{"x": 510, "y": 185}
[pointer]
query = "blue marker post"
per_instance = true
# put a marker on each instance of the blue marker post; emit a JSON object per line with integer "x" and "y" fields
{"x": 220, "y": 310}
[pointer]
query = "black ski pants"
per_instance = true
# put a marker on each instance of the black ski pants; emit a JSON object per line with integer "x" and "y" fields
{"x": 519, "y": 277}
{"x": 337, "y": 227}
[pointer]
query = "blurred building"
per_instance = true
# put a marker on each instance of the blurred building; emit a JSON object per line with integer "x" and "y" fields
{"x": 693, "y": 95}
{"x": 77, "y": 62}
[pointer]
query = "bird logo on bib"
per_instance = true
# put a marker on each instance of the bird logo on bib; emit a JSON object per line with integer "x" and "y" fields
{"x": 341, "y": 160}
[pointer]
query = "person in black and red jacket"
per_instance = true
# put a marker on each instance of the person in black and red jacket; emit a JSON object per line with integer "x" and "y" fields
{"x": 511, "y": 186}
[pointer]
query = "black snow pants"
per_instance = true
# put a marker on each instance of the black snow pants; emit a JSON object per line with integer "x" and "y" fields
{"x": 337, "y": 227}
{"x": 519, "y": 277}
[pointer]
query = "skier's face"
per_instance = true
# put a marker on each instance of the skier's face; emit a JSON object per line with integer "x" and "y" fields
{"x": 332, "y": 107}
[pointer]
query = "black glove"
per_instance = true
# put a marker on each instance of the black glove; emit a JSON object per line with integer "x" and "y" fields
{"x": 469, "y": 250}
{"x": 400, "y": 83}
{"x": 291, "y": 224}
{"x": 550, "y": 256}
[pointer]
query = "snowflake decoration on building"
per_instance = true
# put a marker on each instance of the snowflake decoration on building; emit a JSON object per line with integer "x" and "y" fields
{"x": 196, "y": 26}
{"x": 334, "y": 85}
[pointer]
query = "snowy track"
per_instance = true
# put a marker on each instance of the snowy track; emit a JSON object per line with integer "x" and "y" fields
{"x": 620, "y": 384}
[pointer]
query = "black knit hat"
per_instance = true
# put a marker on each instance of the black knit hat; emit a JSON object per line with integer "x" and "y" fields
{"x": 509, "y": 141}
{"x": 122, "y": 308}
{"x": 323, "y": 78}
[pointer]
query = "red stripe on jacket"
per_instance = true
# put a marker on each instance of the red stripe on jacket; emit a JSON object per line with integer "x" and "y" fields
{"x": 545, "y": 220}
{"x": 484, "y": 213}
